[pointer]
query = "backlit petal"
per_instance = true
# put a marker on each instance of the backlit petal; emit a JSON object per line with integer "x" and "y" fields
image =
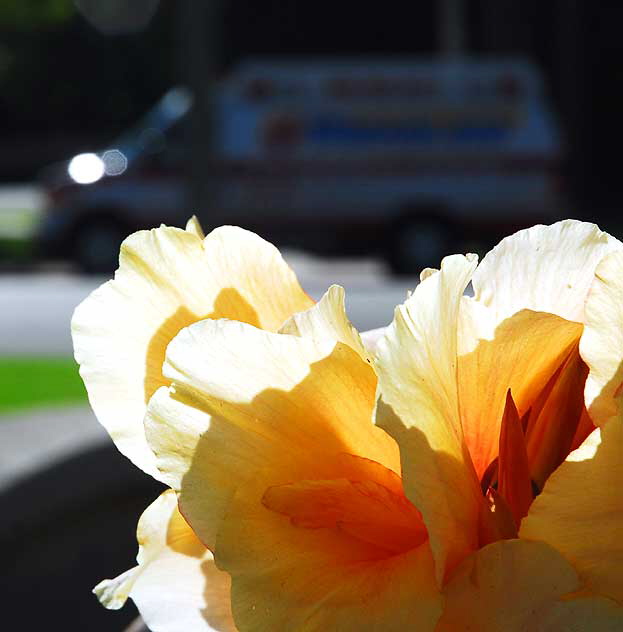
{"x": 327, "y": 319}
{"x": 176, "y": 585}
{"x": 194, "y": 226}
{"x": 543, "y": 268}
{"x": 243, "y": 399}
{"x": 602, "y": 342}
{"x": 506, "y": 586}
{"x": 580, "y": 510}
{"x": 521, "y": 354}
{"x": 417, "y": 364}
{"x": 514, "y": 484}
{"x": 317, "y": 579}
{"x": 167, "y": 279}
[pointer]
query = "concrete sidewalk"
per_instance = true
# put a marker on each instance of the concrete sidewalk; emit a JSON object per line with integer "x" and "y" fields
{"x": 35, "y": 440}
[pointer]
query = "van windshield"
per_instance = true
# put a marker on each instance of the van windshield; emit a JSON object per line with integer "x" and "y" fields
{"x": 149, "y": 135}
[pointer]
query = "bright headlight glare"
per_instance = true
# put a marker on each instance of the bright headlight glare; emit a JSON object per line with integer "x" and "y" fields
{"x": 86, "y": 168}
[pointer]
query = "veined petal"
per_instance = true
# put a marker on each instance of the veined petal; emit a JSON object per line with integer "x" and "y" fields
{"x": 601, "y": 345}
{"x": 243, "y": 399}
{"x": 508, "y": 585}
{"x": 167, "y": 279}
{"x": 327, "y": 319}
{"x": 580, "y": 510}
{"x": 543, "y": 268}
{"x": 521, "y": 354}
{"x": 286, "y": 577}
{"x": 417, "y": 365}
{"x": 176, "y": 585}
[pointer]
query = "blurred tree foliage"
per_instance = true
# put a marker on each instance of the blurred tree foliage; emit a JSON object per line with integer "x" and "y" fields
{"x": 57, "y": 72}
{"x": 34, "y": 14}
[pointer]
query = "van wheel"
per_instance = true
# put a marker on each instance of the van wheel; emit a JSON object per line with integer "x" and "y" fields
{"x": 418, "y": 243}
{"x": 96, "y": 245}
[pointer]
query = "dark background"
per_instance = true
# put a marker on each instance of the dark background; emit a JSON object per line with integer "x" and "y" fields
{"x": 68, "y": 83}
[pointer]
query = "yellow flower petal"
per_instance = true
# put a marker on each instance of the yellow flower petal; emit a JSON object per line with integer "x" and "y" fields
{"x": 327, "y": 319}
{"x": 243, "y": 399}
{"x": 580, "y": 511}
{"x": 316, "y": 579}
{"x": 176, "y": 585}
{"x": 169, "y": 278}
{"x": 601, "y": 346}
{"x": 521, "y": 354}
{"x": 506, "y": 586}
{"x": 543, "y": 268}
{"x": 417, "y": 364}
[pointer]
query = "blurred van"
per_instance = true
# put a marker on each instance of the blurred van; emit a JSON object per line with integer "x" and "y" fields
{"x": 404, "y": 158}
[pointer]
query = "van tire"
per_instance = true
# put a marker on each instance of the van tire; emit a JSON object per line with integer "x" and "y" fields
{"x": 417, "y": 243}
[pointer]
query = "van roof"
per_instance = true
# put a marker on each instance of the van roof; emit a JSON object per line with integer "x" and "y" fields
{"x": 438, "y": 71}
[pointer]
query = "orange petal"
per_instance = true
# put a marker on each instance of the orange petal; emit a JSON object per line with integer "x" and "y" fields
{"x": 584, "y": 429}
{"x": 514, "y": 483}
{"x": 363, "y": 509}
{"x": 290, "y": 578}
{"x": 522, "y": 354}
{"x": 244, "y": 399}
{"x": 551, "y": 429}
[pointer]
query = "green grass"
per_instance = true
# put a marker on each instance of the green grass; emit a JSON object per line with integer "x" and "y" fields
{"x": 30, "y": 382}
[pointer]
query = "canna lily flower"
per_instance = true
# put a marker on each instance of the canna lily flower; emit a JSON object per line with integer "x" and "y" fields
{"x": 169, "y": 278}
{"x": 456, "y": 481}
{"x": 520, "y": 493}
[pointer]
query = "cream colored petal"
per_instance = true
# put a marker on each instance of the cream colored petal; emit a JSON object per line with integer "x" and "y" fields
{"x": 169, "y": 278}
{"x": 194, "y": 226}
{"x": 507, "y": 586}
{"x": 176, "y": 585}
{"x": 290, "y": 578}
{"x": 601, "y": 345}
{"x": 543, "y": 268}
{"x": 113, "y": 593}
{"x": 243, "y": 398}
{"x": 417, "y": 365}
{"x": 371, "y": 339}
{"x": 327, "y": 319}
{"x": 580, "y": 511}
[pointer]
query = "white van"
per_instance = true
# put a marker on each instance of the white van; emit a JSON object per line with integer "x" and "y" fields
{"x": 407, "y": 158}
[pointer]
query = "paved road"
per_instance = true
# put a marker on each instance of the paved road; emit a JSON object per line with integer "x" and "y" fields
{"x": 36, "y": 308}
